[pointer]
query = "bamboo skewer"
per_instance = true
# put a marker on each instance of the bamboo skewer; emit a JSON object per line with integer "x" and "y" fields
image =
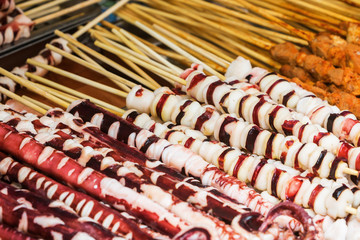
{"x": 83, "y": 55}
{"x": 177, "y": 48}
{"x": 105, "y": 60}
{"x": 323, "y": 11}
{"x": 205, "y": 53}
{"x": 141, "y": 63}
{"x": 152, "y": 82}
{"x": 77, "y": 78}
{"x": 64, "y": 96}
{"x": 38, "y": 103}
{"x": 73, "y": 92}
{"x": 99, "y": 18}
{"x": 157, "y": 49}
{"x": 29, "y": 3}
{"x": 22, "y": 100}
{"x": 29, "y": 85}
{"x": 152, "y": 53}
{"x": 44, "y": 7}
{"x": 44, "y": 12}
{"x": 299, "y": 17}
{"x": 65, "y": 11}
{"x": 115, "y": 78}
{"x": 141, "y": 57}
{"x": 231, "y": 31}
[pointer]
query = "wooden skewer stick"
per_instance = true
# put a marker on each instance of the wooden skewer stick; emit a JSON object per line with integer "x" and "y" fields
{"x": 36, "y": 102}
{"x": 303, "y": 34}
{"x": 44, "y": 12}
{"x": 77, "y": 78}
{"x": 177, "y": 49}
{"x": 29, "y": 3}
{"x": 355, "y": 3}
{"x": 44, "y": 7}
{"x": 299, "y": 17}
{"x": 83, "y": 55}
{"x": 151, "y": 52}
{"x": 115, "y": 78}
{"x": 139, "y": 56}
{"x": 351, "y": 171}
{"x": 102, "y": 16}
{"x": 141, "y": 63}
{"x": 22, "y": 100}
{"x": 157, "y": 49}
{"x": 323, "y": 11}
{"x": 185, "y": 35}
{"x": 29, "y": 85}
{"x": 105, "y": 60}
{"x": 152, "y": 82}
{"x": 73, "y": 92}
{"x": 64, "y": 96}
{"x": 126, "y": 41}
{"x": 65, "y": 11}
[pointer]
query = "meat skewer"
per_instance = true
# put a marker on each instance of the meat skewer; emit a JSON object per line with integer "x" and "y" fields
{"x": 56, "y": 191}
{"x": 55, "y": 212}
{"x": 96, "y": 184}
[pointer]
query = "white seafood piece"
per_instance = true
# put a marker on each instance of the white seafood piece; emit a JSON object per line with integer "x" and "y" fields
{"x": 232, "y": 102}
{"x": 140, "y": 99}
{"x": 237, "y": 134}
{"x": 239, "y": 68}
{"x": 165, "y": 107}
{"x": 337, "y": 207}
{"x": 208, "y": 126}
{"x": 353, "y": 228}
{"x": 189, "y": 112}
{"x": 256, "y": 74}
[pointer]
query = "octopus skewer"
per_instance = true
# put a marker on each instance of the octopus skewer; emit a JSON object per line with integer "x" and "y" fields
{"x": 83, "y": 204}
{"x": 88, "y": 157}
{"x": 165, "y": 105}
{"x": 60, "y": 166}
{"x": 79, "y": 147}
{"x": 57, "y": 216}
{"x": 107, "y": 118}
{"x": 264, "y": 175}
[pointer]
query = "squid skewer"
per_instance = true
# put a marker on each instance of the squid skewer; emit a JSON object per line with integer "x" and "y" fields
{"x": 254, "y": 108}
{"x": 208, "y": 174}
